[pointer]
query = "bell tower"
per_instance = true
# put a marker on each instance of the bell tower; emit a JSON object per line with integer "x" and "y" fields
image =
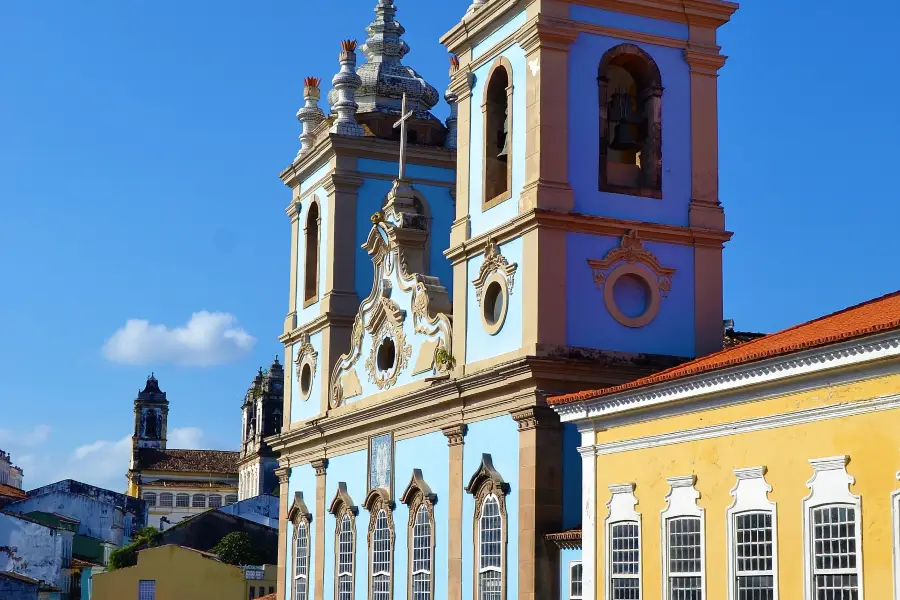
{"x": 151, "y": 413}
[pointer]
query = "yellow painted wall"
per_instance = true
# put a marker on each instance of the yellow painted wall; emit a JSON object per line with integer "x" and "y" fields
{"x": 179, "y": 573}
{"x": 871, "y": 440}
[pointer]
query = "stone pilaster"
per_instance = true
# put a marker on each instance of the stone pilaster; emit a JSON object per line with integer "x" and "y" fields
{"x": 284, "y": 478}
{"x": 456, "y": 435}
{"x": 321, "y": 466}
{"x": 540, "y": 506}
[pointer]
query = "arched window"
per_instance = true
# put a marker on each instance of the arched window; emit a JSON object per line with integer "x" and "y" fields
{"x": 420, "y": 499}
{"x": 150, "y": 498}
{"x": 490, "y": 536}
{"x": 311, "y": 269}
{"x": 300, "y": 516}
{"x": 231, "y": 499}
{"x": 165, "y": 499}
{"x": 497, "y": 114}
{"x": 182, "y": 500}
{"x": 344, "y": 512}
{"x": 630, "y": 122}
{"x": 198, "y": 501}
{"x": 215, "y": 500}
{"x": 381, "y": 544}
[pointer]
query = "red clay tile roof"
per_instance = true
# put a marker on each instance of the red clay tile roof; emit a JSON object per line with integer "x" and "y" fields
{"x": 192, "y": 461}
{"x": 566, "y": 540}
{"x": 873, "y": 316}
{"x": 9, "y": 491}
{"x": 78, "y": 563}
{"x": 267, "y": 597}
{"x": 173, "y": 483}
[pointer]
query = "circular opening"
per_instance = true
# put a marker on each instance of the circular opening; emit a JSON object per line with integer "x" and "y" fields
{"x": 305, "y": 379}
{"x": 386, "y": 355}
{"x": 493, "y": 303}
{"x": 631, "y": 295}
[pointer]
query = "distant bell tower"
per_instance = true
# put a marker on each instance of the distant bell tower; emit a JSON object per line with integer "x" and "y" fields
{"x": 151, "y": 413}
{"x": 262, "y": 417}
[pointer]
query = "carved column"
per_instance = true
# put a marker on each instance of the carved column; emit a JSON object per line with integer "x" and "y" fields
{"x": 546, "y": 43}
{"x": 284, "y": 478}
{"x": 540, "y": 505}
{"x": 456, "y": 435}
{"x": 321, "y": 466}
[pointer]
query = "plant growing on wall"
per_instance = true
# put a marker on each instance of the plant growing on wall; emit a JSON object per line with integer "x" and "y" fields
{"x": 126, "y": 556}
{"x": 237, "y": 549}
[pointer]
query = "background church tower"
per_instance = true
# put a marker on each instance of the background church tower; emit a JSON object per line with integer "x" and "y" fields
{"x": 151, "y": 414}
{"x": 262, "y": 417}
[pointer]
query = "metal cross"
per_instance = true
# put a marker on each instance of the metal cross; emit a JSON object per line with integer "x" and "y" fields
{"x": 404, "y": 117}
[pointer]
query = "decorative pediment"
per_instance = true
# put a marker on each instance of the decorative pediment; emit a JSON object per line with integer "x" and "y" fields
{"x": 382, "y": 316}
{"x": 417, "y": 487}
{"x": 376, "y": 498}
{"x": 494, "y": 262}
{"x": 487, "y": 475}
{"x": 631, "y": 250}
{"x": 299, "y": 510}
{"x": 341, "y": 501}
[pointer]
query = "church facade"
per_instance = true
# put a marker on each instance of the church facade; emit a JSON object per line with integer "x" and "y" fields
{"x": 561, "y": 231}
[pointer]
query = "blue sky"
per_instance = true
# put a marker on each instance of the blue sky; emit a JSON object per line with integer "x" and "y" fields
{"x": 140, "y": 144}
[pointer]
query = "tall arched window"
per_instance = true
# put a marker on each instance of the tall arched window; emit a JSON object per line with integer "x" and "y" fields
{"x": 490, "y": 535}
{"x": 300, "y": 516}
{"x": 630, "y": 122}
{"x": 381, "y": 544}
{"x": 311, "y": 269}
{"x": 344, "y": 512}
{"x": 497, "y": 115}
{"x": 420, "y": 500}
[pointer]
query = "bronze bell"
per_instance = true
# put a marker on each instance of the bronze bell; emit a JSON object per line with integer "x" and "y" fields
{"x": 627, "y": 137}
{"x": 503, "y": 139}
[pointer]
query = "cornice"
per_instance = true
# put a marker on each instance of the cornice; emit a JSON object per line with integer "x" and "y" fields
{"x": 342, "y": 181}
{"x": 477, "y": 25}
{"x": 317, "y": 324}
{"x": 535, "y": 417}
{"x": 578, "y": 223}
{"x": 703, "y": 60}
{"x": 547, "y": 32}
{"x": 703, "y": 13}
{"x": 735, "y": 379}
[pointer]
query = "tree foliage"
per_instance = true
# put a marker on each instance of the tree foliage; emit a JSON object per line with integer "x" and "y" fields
{"x": 126, "y": 556}
{"x": 236, "y": 548}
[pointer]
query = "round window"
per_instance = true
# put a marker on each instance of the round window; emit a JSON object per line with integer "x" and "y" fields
{"x": 493, "y": 303}
{"x": 386, "y": 355}
{"x": 631, "y": 295}
{"x": 305, "y": 379}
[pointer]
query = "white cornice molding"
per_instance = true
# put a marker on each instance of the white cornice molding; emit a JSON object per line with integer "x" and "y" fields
{"x": 795, "y": 365}
{"x": 810, "y": 415}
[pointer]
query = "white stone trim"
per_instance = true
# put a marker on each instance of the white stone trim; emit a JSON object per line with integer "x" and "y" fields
{"x": 568, "y": 593}
{"x": 681, "y": 501}
{"x": 829, "y": 484}
{"x": 621, "y": 510}
{"x": 810, "y": 415}
{"x": 751, "y": 494}
{"x": 588, "y": 512}
{"x": 895, "y": 537}
{"x": 794, "y": 365}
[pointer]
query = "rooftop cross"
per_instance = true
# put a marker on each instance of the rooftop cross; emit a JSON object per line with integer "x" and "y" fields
{"x": 404, "y": 117}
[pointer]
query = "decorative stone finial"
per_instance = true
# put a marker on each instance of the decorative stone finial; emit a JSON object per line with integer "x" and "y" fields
{"x": 346, "y": 82}
{"x": 476, "y": 4}
{"x": 310, "y": 115}
{"x": 451, "y": 99}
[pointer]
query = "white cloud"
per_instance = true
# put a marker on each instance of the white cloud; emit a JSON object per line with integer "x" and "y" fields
{"x": 207, "y": 339}
{"x": 38, "y": 435}
{"x": 185, "y": 437}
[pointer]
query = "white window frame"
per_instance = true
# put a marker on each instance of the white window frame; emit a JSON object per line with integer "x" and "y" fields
{"x": 681, "y": 501}
{"x": 350, "y": 571}
{"x": 194, "y": 503}
{"x": 146, "y": 497}
{"x": 170, "y": 497}
{"x": 751, "y": 495}
{"x": 185, "y": 497}
{"x": 621, "y": 510}
{"x": 425, "y": 544}
{"x": 829, "y": 485}
{"x": 572, "y": 565}
{"x": 479, "y": 570}
{"x": 305, "y": 537}
{"x": 385, "y": 573}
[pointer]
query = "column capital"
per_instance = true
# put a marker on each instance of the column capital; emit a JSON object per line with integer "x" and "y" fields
{"x": 283, "y": 474}
{"x": 461, "y": 83}
{"x": 342, "y": 182}
{"x": 704, "y": 60}
{"x": 320, "y": 465}
{"x": 534, "y": 417}
{"x": 455, "y": 434}
{"x": 547, "y": 33}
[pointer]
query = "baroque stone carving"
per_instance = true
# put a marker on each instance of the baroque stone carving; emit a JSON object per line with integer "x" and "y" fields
{"x": 306, "y": 355}
{"x": 299, "y": 510}
{"x": 320, "y": 465}
{"x": 456, "y": 434}
{"x": 533, "y": 417}
{"x": 494, "y": 262}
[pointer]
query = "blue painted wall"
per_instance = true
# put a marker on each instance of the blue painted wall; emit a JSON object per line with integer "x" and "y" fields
{"x": 566, "y": 559}
{"x": 571, "y": 472}
{"x": 479, "y": 343}
{"x": 584, "y": 125}
{"x": 589, "y": 325}
{"x": 609, "y": 18}
{"x": 301, "y": 409}
{"x": 498, "y": 437}
{"x": 484, "y": 221}
{"x": 431, "y": 454}
{"x": 351, "y": 469}
{"x": 303, "y": 479}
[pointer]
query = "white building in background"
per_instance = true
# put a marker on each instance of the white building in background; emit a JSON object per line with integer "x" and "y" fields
{"x": 10, "y": 474}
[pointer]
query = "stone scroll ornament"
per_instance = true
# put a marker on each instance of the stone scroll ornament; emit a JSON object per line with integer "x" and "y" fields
{"x": 494, "y": 262}
{"x": 396, "y": 293}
